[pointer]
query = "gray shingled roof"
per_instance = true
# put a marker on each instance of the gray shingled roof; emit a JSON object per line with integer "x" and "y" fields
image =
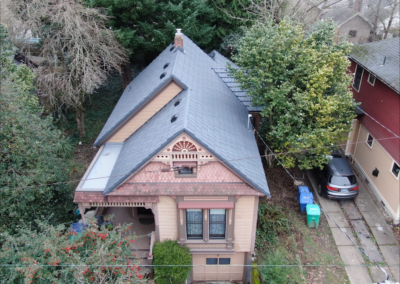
{"x": 209, "y": 112}
{"x": 372, "y": 55}
{"x": 224, "y": 74}
{"x": 339, "y": 15}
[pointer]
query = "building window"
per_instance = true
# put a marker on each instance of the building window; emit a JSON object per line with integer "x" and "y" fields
{"x": 370, "y": 140}
{"x": 358, "y": 77}
{"x": 352, "y": 33}
{"x": 194, "y": 223}
{"x": 185, "y": 169}
{"x": 395, "y": 169}
{"x": 217, "y": 223}
{"x": 371, "y": 79}
{"x": 211, "y": 261}
{"x": 224, "y": 261}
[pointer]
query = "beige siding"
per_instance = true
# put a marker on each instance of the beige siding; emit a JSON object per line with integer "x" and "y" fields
{"x": 167, "y": 217}
{"x": 204, "y": 272}
{"x": 244, "y": 210}
{"x": 386, "y": 183}
{"x": 144, "y": 114}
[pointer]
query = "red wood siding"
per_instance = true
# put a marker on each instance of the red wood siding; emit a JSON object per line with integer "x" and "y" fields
{"x": 383, "y": 104}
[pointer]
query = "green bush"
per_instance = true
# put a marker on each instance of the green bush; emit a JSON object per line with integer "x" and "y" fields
{"x": 279, "y": 274}
{"x": 271, "y": 222}
{"x": 171, "y": 253}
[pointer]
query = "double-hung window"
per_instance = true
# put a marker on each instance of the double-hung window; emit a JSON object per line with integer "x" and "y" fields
{"x": 194, "y": 223}
{"x": 217, "y": 223}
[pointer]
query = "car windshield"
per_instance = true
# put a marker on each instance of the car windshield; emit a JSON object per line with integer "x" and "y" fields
{"x": 343, "y": 180}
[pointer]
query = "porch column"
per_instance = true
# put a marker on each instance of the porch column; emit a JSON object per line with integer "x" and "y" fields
{"x": 82, "y": 211}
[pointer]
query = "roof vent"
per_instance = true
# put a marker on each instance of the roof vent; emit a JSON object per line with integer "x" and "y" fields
{"x": 177, "y": 103}
{"x": 166, "y": 65}
{"x": 174, "y": 118}
{"x": 162, "y": 75}
{"x": 172, "y": 48}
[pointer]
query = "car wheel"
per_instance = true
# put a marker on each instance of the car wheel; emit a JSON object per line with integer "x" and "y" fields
{"x": 319, "y": 189}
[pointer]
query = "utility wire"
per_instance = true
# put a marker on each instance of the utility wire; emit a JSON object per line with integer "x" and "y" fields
{"x": 190, "y": 265}
{"x": 326, "y": 214}
{"x": 222, "y": 161}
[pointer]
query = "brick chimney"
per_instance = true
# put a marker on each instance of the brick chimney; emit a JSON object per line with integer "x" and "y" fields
{"x": 178, "y": 38}
{"x": 358, "y": 5}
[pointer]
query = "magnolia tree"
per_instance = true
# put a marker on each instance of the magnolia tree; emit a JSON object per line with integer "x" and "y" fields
{"x": 302, "y": 83}
{"x": 57, "y": 255}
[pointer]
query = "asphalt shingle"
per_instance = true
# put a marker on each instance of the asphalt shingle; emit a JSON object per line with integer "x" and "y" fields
{"x": 209, "y": 112}
{"x": 381, "y": 58}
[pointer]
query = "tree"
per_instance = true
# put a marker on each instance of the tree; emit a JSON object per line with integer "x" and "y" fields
{"x": 56, "y": 255}
{"x": 303, "y": 85}
{"x": 77, "y": 46}
{"x": 247, "y": 12}
{"x": 33, "y": 154}
{"x": 146, "y": 27}
{"x": 383, "y": 15}
{"x": 178, "y": 260}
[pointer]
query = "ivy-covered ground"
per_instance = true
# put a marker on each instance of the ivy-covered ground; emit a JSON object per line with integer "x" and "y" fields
{"x": 299, "y": 244}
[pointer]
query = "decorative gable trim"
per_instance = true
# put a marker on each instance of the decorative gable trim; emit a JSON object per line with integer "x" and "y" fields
{"x": 184, "y": 149}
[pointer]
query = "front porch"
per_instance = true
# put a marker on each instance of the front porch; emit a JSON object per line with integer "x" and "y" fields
{"x": 143, "y": 226}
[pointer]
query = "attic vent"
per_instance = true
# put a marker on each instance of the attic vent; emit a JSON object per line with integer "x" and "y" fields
{"x": 212, "y": 55}
{"x": 166, "y": 65}
{"x": 162, "y": 75}
{"x": 174, "y": 118}
{"x": 177, "y": 103}
{"x": 172, "y": 48}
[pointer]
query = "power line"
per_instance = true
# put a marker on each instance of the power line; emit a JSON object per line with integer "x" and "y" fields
{"x": 190, "y": 265}
{"x": 326, "y": 214}
{"x": 222, "y": 161}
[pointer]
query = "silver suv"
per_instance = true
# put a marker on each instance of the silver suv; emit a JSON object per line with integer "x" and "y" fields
{"x": 337, "y": 180}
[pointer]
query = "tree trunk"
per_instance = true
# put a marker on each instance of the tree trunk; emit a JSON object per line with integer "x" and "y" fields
{"x": 126, "y": 75}
{"x": 374, "y": 36}
{"x": 269, "y": 158}
{"x": 80, "y": 121}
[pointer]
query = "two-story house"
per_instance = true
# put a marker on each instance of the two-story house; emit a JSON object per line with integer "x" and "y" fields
{"x": 178, "y": 159}
{"x": 374, "y": 143}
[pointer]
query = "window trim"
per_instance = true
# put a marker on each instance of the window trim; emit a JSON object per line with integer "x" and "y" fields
{"x": 362, "y": 74}
{"x": 369, "y": 76}
{"x": 209, "y": 226}
{"x": 202, "y": 226}
{"x": 391, "y": 169}
{"x": 372, "y": 143}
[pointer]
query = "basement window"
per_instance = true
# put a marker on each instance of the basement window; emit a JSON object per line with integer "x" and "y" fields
{"x": 395, "y": 169}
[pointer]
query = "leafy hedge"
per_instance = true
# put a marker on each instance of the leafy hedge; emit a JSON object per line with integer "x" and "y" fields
{"x": 32, "y": 152}
{"x": 271, "y": 222}
{"x": 171, "y": 253}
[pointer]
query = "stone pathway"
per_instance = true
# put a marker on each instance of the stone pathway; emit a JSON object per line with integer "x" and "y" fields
{"x": 364, "y": 218}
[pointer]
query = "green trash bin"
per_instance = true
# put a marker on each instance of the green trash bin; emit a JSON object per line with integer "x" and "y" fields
{"x": 313, "y": 213}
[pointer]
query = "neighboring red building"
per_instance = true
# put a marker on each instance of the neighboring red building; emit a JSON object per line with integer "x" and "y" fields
{"x": 376, "y": 86}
